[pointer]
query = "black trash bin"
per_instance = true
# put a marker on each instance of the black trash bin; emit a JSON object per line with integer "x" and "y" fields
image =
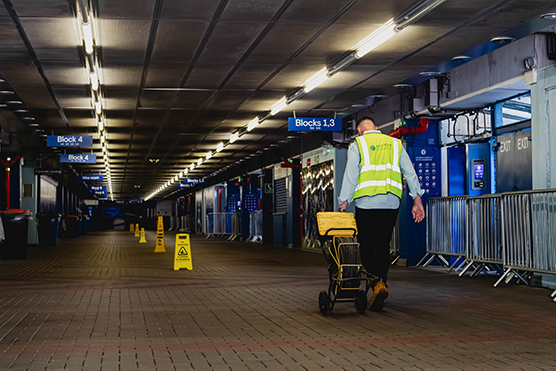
{"x": 71, "y": 226}
{"x": 16, "y": 223}
{"x": 48, "y": 225}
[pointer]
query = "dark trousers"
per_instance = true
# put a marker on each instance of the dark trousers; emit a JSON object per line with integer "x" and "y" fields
{"x": 374, "y": 231}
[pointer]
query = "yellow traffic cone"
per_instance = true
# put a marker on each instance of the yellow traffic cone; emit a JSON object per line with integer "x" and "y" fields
{"x": 142, "y": 240}
{"x": 137, "y": 231}
{"x": 131, "y": 227}
{"x": 160, "y": 236}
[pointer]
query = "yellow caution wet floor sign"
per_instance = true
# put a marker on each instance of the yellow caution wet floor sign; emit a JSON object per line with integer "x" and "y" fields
{"x": 182, "y": 256}
{"x": 131, "y": 229}
{"x": 160, "y": 236}
{"x": 142, "y": 240}
{"x": 137, "y": 231}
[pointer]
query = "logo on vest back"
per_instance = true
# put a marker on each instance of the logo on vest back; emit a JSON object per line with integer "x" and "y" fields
{"x": 373, "y": 148}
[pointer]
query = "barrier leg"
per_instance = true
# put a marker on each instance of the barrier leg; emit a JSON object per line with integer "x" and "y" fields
{"x": 424, "y": 257}
{"x": 502, "y": 277}
{"x": 429, "y": 261}
{"x": 509, "y": 277}
{"x": 442, "y": 260}
{"x": 395, "y": 260}
{"x": 553, "y": 295}
{"x": 479, "y": 269}
{"x": 454, "y": 265}
{"x": 522, "y": 278}
{"x": 466, "y": 268}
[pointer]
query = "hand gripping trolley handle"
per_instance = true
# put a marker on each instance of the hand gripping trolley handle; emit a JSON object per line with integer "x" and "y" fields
{"x": 345, "y": 270}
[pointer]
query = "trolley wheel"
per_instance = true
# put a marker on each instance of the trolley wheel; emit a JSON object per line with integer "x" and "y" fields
{"x": 361, "y": 301}
{"x": 324, "y": 302}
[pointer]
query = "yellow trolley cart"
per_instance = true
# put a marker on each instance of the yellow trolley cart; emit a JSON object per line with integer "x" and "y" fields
{"x": 349, "y": 282}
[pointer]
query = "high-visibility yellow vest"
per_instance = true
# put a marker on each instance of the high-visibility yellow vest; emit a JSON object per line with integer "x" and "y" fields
{"x": 380, "y": 165}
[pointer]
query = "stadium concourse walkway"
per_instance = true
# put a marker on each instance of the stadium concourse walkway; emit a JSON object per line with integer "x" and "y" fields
{"x": 105, "y": 302}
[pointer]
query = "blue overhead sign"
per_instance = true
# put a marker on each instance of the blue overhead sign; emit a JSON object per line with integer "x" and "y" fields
{"x": 91, "y": 178}
{"x": 78, "y": 159}
{"x": 314, "y": 124}
{"x": 99, "y": 193}
{"x": 181, "y": 185}
{"x": 97, "y": 188}
{"x": 194, "y": 181}
{"x": 69, "y": 141}
{"x": 104, "y": 198}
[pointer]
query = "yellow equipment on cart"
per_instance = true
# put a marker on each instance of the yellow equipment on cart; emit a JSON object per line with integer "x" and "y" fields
{"x": 349, "y": 282}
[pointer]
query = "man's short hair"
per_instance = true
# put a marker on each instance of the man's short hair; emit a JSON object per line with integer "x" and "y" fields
{"x": 365, "y": 119}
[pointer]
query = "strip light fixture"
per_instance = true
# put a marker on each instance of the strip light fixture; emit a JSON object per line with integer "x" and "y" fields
{"x": 388, "y": 30}
{"x": 252, "y": 124}
{"x": 315, "y": 80}
{"x": 278, "y": 106}
{"x": 234, "y": 137}
{"x": 376, "y": 39}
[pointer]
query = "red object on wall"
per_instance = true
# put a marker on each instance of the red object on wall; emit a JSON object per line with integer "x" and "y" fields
{"x": 414, "y": 130}
{"x": 8, "y": 164}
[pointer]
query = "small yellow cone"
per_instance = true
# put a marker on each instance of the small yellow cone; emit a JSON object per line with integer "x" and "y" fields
{"x": 160, "y": 236}
{"x": 137, "y": 231}
{"x": 131, "y": 227}
{"x": 142, "y": 240}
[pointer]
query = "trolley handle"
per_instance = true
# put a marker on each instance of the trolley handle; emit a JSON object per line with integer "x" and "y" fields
{"x": 340, "y": 229}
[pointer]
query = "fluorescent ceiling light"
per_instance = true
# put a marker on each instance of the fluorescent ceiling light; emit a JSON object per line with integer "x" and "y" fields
{"x": 192, "y": 166}
{"x": 98, "y": 107}
{"x": 209, "y": 155}
{"x": 234, "y": 137}
{"x": 549, "y": 16}
{"x": 185, "y": 171}
{"x": 219, "y": 147}
{"x": 176, "y": 178}
{"x": 200, "y": 161}
{"x": 88, "y": 37}
{"x": 100, "y": 125}
{"x": 94, "y": 79}
{"x": 315, "y": 80}
{"x": 102, "y": 139}
{"x": 181, "y": 174}
{"x": 278, "y": 106}
{"x": 253, "y": 124}
{"x": 375, "y": 39}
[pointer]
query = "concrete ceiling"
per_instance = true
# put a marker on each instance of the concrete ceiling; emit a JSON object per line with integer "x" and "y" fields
{"x": 179, "y": 76}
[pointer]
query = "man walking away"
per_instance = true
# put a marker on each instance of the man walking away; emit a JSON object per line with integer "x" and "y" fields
{"x": 373, "y": 179}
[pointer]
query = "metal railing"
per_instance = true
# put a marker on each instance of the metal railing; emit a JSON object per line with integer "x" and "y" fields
{"x": 484, "y": 241}
{"x": 513, "y": 234}
{"x": 223, "y": 224}
{"x": 255, "y": 226}
{"x": 446, "y": 219}
{"x": 529, "y": 234}
{"x": 186, "y": 223}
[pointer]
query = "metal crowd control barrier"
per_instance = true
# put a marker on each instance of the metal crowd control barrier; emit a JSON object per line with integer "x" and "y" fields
{"x": 173, "y": 226}
{"x": 256, "y": 226}
{"x": 185, "y": 223}
{"x": 446, "y": 219}
{"x": 223, "y": 224}
{"x": 484, "y": 242}
{"x": 529, "y": 234}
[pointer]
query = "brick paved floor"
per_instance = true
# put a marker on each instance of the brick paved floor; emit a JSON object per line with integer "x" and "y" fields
{"x": 105, "y": 302}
